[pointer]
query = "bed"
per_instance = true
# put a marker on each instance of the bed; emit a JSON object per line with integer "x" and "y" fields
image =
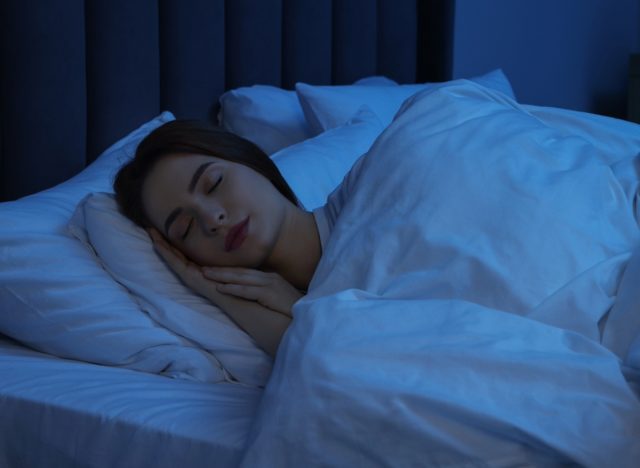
{"x": 497, "y": 328}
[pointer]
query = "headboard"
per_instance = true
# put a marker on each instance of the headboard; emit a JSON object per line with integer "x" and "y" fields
{"x": 77, "y": 75}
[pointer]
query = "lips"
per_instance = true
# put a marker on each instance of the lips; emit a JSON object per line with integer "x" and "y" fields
{"x": 236, "y": 235}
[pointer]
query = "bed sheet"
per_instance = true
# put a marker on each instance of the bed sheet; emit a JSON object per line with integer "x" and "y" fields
{"x": 64, "y": 413}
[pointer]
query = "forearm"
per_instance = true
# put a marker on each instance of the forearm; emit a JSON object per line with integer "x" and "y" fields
{"x": 264, "y": 325}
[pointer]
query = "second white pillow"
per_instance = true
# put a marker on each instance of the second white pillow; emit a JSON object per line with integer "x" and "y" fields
{"x": 315, "y": 167}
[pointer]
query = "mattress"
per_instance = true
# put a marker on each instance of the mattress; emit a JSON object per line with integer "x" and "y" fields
{"x": 68, "y": 413}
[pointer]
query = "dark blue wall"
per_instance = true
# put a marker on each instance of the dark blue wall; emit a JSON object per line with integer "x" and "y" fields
{"x": 561, "y": 53}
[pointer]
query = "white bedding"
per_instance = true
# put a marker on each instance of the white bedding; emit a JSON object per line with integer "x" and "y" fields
{"x": 61, "y": 413}
{"x": 498, "y": 327}
{"x": 457, "y": 313}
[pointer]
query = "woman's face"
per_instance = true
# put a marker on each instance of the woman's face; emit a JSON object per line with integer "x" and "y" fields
{"x": 216, "y": 212}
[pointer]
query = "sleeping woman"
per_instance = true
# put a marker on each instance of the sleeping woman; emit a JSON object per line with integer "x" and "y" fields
{"x": 485, "y": 204}
{"x": 225, "y": 221}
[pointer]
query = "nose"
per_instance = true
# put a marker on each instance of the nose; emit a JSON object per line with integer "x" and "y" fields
{"x": 213, "y": 219}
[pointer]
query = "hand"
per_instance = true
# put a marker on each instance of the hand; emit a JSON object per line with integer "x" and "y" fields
{"x": 189, "y": 272}
{"x": 265, "y": 325}
{"x": 267, "y": 288}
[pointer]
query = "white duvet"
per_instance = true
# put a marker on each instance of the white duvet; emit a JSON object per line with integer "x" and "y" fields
{"x": 458, "y": 312}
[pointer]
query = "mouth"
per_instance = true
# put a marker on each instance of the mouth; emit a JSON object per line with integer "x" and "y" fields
{"x": 236, "y": 235}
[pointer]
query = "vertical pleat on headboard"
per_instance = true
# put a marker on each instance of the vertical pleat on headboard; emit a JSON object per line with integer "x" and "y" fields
{"x": 253, "y": 42}
{"x": 354, "y": 40}
{"x": 435, "y": 39}
{"x": 192, "y": 60}
{"x": 397, "y": 40}
{"x": 123, "y": 80}
{"x": 306, "y": 42}
{"x": 77, "y": 75}
{"x": 42, "y": 94}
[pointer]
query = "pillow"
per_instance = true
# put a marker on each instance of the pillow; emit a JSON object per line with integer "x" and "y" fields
{"x": 271, "y": 117}
{"x": 376, "y": 80}
{"x": 156, "y": 291}
{"x": 56, "y": 298}
{"x": 268, "y": 116}
{"x": 315, "y": 167}
{"x": 326, "y": 107}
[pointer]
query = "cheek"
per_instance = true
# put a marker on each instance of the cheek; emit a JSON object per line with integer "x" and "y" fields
{"x": 205, "y": 253}
{"x": 201, "y": 256}
{"x": 267, "y": 229}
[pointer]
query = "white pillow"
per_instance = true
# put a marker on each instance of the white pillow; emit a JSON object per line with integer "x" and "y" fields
{"x": 326, "y": 107}
{"x": 55, "y": 296}
{"x": 272, "y": 117}
{"x": 268, "y": 116}
{"x": 155, "y": 290}
{"x": 315, "y": 167}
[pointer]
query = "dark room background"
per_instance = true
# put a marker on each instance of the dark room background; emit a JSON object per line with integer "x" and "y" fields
{"x": 561, "y": 53}
{"x": 572, "y": 54}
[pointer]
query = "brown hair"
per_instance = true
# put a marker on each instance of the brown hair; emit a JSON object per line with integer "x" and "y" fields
{"x": 188, "y": 137}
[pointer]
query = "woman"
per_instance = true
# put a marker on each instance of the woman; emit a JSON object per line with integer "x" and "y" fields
{"x": 225, "y": 221}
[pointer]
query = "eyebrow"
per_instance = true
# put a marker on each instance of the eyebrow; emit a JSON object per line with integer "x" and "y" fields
{"x": 197, "y": 174}
{"x": 192, "y": 185}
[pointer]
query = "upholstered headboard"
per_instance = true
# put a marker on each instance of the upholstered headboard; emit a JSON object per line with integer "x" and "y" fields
{"x": 78, "y": 75}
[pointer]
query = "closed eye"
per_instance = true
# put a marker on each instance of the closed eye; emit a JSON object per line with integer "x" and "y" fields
{"x": 184, "y": 236}
{"x": 186, "y": 232}
{"x": 215, "y": 185}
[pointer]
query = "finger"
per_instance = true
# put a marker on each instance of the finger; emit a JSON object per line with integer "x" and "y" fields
{"x": 153, "y": 233}
{"x": 160, "y": 242}
{"x": 252, "y": 293}
{"x": 164, "y": 247}
{"x": 187, "y": 271}
{"x": 158, "y": 239}
{"x": 176, "y": 260}
{"x": 245, "y": 276}
{"x": 238, "y": 270}
{"x": 167, "y": 252}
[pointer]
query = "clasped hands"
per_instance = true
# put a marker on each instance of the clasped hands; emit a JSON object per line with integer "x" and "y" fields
{"x": 268, "y": 289}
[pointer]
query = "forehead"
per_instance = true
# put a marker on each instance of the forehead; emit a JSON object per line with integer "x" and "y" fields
{"x": 174, "y": 171}
{"x": 178, "y": 165}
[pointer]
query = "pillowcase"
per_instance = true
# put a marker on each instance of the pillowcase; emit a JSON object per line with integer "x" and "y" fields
{"x": 315, "y": 167}
{"x": 272, "y": 117}
{"x": 268, "y": 116}
{"x": 56, "y": 297}
{"x": 154, "y": 289}
{"x": 326, "y": 107}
